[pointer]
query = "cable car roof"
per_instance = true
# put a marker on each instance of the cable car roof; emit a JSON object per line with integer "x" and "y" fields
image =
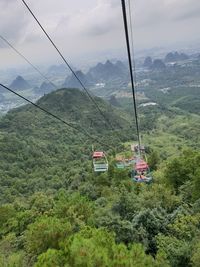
{"x": 98, "y": 154}
{"x": 141, "y": 165}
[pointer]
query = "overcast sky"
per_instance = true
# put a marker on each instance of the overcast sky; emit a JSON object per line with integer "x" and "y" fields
{"x": 86, "y": 28}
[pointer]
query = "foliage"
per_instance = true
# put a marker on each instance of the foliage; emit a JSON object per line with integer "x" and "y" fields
{"x": 55, "y": 211}
{"x": 96, "y": 247}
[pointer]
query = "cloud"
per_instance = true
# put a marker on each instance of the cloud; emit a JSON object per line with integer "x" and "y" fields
{"x": 13, "y": 24}
{"x": 186, "y": 10}
{"x": 159, "y": 11}
{"x": 165, "y": 22}
{"x": 100, "y": 20}
{"x": 83, "y": 27}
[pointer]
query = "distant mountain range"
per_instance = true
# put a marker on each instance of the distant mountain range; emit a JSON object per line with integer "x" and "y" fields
{"x": 156, "y": 64}
{"x": 108, "y": 71}
{"x": 101, "y": 73}
{"x": 173, "y": 57}
{"x": 159, "y": 64}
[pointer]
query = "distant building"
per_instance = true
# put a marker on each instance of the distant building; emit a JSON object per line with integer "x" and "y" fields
{"x": 100, "y": 85}
{"x": 148, "y": 104}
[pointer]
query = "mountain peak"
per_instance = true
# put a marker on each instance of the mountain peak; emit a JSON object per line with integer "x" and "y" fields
{"x": 158, "y": 64}
{"x": 79, "y": 73}
{"x": 19, "y": 78}
{"x": 74, "y": 106}
{"x": 148, "y": 62}
{"x": 72, "y": 82}
{"x": 20, "y": 84}
{"x": 108, "y": 62}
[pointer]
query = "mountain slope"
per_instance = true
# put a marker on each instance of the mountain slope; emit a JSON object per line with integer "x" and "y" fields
{"x": 44, "y": 88}
{"x": 71, "y": 81}
{"x": 19, "y": 84}
{"x": 36, "y": 149}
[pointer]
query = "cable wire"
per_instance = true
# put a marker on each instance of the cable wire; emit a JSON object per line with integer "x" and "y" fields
{"x": 133, "y": 55}
{"x": 130, "y": 68}
{"x": 68, "y": 65}
{"x": 80, "y": 129}
{"x": 20, "y": 54}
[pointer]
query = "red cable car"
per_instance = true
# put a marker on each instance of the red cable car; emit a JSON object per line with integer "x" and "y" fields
{"x": 141, "y": 172}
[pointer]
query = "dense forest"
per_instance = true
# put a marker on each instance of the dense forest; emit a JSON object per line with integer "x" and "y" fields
{"x": 55, "y": 211}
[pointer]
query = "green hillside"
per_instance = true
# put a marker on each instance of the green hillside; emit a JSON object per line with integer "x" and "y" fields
{"x": 55, "y": 211}
{"x": 38, "y": 151}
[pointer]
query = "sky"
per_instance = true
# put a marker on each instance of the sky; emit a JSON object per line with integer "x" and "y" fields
{"x": 86, "y": 30}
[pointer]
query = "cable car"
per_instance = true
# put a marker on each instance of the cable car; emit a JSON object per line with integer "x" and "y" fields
{"x": 136, "y": 148}
{"x": 100, "y": 162}
{"x": 141, "y": 172}
{"x": 120, "y": 164}
{"x": 129, "y": 161}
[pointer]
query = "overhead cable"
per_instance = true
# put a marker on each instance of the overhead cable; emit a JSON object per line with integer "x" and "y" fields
{"x": 133, "y": 55}
{"x": 130, "y": 69}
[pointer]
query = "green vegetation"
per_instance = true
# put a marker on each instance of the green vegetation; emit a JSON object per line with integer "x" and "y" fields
{"x": 55, "y": 211}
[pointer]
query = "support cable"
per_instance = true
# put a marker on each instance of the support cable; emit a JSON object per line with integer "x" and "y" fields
{"x": 133, "y": 55}
{"x": 130, "y": 69}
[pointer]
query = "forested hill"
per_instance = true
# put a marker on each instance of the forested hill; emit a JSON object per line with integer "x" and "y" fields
{"x": 37, "y": 150}
{"x": 71, "y": 105}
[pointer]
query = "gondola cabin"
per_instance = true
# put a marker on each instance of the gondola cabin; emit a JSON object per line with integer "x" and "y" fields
{"x": 136, "y": 148}
{"x": 120, "y": 163}
{"x": 141, "y": 172}
{"x": 100, "y": 162}
{"x": 129, "y": 161}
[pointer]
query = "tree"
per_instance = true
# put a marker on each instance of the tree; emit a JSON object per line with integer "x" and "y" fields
{"x": 181, "y": 169}
{"x": 196, "y": 184}
{"x": 153, "y": 160}
{"x": 51, "y": 258}
{"x": 126, "y": 205}
{"x": 6, "y": 212}
{"x": 148, "y": 224}
{"x": 46, "y": 233}
{"x": 75, "y": 208}
{"x": 196, "y": 254}
{"x": 123, "y": 229}
{"x": 178, "y": 251}
{"x": 97, "y": 247}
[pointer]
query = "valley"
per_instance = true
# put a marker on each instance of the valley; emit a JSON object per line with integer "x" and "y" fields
{"x": 52, "y": 203}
